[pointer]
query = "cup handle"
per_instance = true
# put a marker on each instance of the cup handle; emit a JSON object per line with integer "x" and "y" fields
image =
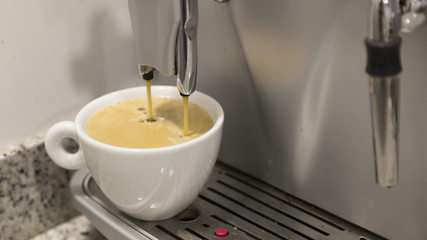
{"x": 56, "y": 150}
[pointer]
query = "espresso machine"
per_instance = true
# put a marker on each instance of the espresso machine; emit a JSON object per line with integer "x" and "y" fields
{"x": 325, "y": 135}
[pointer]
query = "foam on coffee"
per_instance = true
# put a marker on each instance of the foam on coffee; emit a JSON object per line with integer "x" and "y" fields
{"x": 127, "y": 124}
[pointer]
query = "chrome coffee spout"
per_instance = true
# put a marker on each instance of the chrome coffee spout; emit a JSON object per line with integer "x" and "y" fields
{"x": 187, "y": 48}
{"x": 165, "y": 35}
{"x": 383, "y": 66}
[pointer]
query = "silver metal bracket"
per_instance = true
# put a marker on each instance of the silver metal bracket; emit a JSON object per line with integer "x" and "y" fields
{"x": 187, "y": 48}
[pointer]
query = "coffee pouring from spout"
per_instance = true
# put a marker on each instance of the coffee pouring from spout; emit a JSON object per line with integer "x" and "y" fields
{"x": 165, "y": 34}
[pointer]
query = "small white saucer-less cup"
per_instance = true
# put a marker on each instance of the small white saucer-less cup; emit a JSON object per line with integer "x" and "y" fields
{"x": 148, "y": 184}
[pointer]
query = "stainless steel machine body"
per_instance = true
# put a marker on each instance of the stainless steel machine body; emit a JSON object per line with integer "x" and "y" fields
{"x": 290, "y": 75}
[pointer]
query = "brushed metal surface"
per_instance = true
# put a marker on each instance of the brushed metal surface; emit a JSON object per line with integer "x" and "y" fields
{"x": 313, "y": 139}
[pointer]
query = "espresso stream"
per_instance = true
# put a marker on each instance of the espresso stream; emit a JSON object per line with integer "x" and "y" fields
{"x": 127, "y": 123}
{"x": 150, "y": 106}
{"x": 149, "y": 102}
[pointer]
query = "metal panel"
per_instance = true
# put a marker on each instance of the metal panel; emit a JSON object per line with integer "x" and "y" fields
{"x": 305, "y": 108}
{"x": 246, "y": 207}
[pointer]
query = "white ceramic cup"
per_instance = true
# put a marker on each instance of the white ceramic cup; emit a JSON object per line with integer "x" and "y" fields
{"x": 148, "y": 184}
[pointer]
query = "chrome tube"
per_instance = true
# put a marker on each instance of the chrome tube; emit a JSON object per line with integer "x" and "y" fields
{"x": 187, "y": 48}
{"x": 384, "y": 27}
{"x": 384, "y": 92}
{"x": 384, "y": 20}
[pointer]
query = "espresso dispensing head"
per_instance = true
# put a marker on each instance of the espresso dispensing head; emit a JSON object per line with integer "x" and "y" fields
{"x": 165, "y": 35}
{"x": 386, "y": 19}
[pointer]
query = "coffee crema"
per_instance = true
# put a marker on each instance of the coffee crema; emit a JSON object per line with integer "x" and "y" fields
{"x": 127, "y": 124}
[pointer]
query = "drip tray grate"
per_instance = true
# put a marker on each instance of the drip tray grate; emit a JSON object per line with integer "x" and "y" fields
{"x": 246, "y": 207}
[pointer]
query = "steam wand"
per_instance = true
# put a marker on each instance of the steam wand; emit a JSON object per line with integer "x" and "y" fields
{"x": 383, "y": 66}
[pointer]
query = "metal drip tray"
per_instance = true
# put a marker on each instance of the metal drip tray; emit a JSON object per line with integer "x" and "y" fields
{"x": 246, "y": 207}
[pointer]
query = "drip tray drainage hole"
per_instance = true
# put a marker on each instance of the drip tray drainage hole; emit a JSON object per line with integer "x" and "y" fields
{"x": 188, "y": 215}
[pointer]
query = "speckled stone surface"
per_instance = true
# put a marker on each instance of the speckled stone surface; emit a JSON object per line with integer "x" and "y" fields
{"x": 78, "y": 228}
{"x": 34, "y": 193}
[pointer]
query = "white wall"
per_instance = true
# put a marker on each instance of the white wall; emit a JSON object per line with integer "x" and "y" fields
{"x": 57, "y": 55}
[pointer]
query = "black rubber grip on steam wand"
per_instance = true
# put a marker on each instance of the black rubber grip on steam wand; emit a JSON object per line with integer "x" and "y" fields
{"x": 383, "y": 58}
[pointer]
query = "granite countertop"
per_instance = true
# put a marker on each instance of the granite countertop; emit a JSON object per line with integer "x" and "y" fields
{"x": 35, "y": 201}
{"x": 77, "y": 228}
